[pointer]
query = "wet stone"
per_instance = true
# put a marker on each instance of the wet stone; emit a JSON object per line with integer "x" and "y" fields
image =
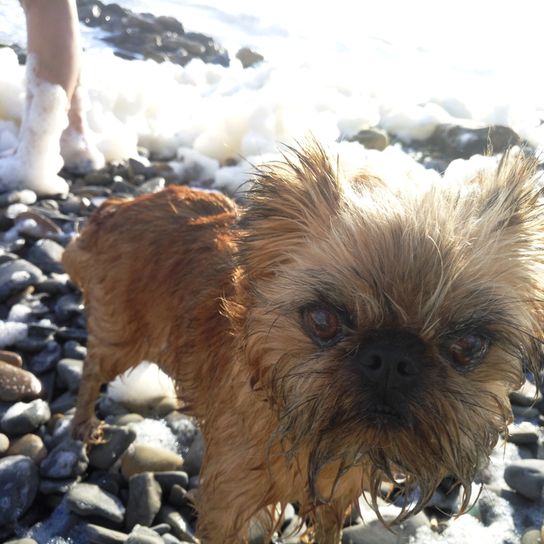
{"x": 526, "y": 477}
{"x": 19, "y": 484}
{"x": 142, "y": 458}
{"x": 193, "y": 458}
{"x": 68, "y": 307}
{"x": 24, "y": 417}
{"x": 69, "y": 373}
{"x": 89, "y": 500}
{"x": 66, "y": 460}
{"x": 4, "y": 443}
{"x": 372, "y": 138}
{"x": 47, "y": 255}
{"x": 167, "y": 479}
{"x": 144, "y": 500}
{"x": 179, "y": 526}
{"x": 52, "y": 487}
{"x": 47, "y": 359}
{"x": 11, "y": 358}
{"x": 96, "y": 534}
{"x": 15, "y": 276}
{"x": 117, "y": 440}
{"x": 63, "y": 402}
{"x": 30, "y": 445}
{"x": 74, "y": 350}
{"x": 17, "y": 384}
{"x": 143, "y": 535}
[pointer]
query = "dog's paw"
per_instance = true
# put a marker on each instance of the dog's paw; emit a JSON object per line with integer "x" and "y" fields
{"x": 91, "y": 431}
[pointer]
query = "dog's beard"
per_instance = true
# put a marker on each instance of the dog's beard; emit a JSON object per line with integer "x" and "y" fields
{"x": 447, "y": 432}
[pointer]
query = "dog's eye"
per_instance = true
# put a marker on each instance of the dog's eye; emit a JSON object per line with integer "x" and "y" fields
{"x": 322, "y": 325}
{"x": 468, "y": 350}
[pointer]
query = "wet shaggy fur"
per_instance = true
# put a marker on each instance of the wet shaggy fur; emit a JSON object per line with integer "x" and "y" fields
{"x": 223, "y": 298}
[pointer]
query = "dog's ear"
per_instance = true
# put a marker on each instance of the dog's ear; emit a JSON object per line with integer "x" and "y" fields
{"x": 289, "y": 202}
{"x": 511, "y": 207}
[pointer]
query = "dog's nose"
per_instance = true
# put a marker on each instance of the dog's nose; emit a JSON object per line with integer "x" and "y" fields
{"x": 392, "y": 361}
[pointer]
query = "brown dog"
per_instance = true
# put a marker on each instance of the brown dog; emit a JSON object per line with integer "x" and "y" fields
{"x": 334, "y": 334}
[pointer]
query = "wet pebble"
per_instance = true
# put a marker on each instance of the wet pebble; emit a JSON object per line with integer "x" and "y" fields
{"x": 4, "y": 443}
{"x": 46, "y": 359}
{"x": 142, "y": 458}
{"x": 30, "y": 445}
{"x": 526, "y": 477}
{"x": 17, "y": 384}
{"x": 95, "y": 534}
{"x": 25, "y": 417}
{"x": 19, "y": 485}
{"x": 116, "y": 441}
{"x": 89, "y": 500}
{"x": 74, "y": 350}
{"x": 69, "y": 373}
{"x": 15, "y": 276}
{"x": 66, "y": 460}
{"x": 144, "y": 500}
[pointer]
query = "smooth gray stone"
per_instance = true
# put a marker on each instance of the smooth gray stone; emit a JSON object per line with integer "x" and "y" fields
{"x": 47, "y": 359}
{"x": 25, "y": 417}
{"x": 89, "y": 500}
{"x": 144, "y": 500}
{"x": 19, "y": 483}
{"x": 100, "y": 535}
{"x": 68, "y": 459}
{"x": 179, "y": 526}
{"x": 16, "y": 276}
{"x": 526, "y": 477}
{"x": 143, "y": 535}
{"x": 169, "y": 478}
{"x": 117, "y": 440}
{"x": 69, "y": 373}
{"x": 192, "y": 461}
{"x": 47, "y": 255}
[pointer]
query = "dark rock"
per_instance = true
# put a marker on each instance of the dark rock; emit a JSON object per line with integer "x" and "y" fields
{"x": 248, "y": 57}
{"x": 52, "y": 487}
{"x": 144, "y": 535}
{"x": 19, "y": 484}
{"x": 372, "y": 138}
{"x": 69, "y": 373}
{"x": 117, "y": 440}
{"x": 465, "y": 141}
{"x": 167, "y": 479}
{"x": 526, "y": 477}
{"x": 68, "y": 307}
{"x": 193, "y": 458}
{"x": 74, "y": 350}
{"x": 63, "y": 403}
{"x": 47, "y": 359}
{"x": 15, "y": 276}
{"x": 47, "y": 255}
{"x": 100, "y": 535}
{"x": 179, "y": 526}
{"x": 144, "y": 500}
{"x": 23, "y": 417}
{"x": 66, "y": 460}
{"x": 89, "y": 500}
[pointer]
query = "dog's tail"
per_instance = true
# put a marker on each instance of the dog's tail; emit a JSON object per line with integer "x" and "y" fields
{"x": 78, "y": 256}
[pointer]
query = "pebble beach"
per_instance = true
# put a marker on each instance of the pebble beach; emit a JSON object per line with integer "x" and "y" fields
{"x": 136, "y": 487}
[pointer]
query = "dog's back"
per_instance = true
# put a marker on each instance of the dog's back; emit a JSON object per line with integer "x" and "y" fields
{"x": 134, "y": 262}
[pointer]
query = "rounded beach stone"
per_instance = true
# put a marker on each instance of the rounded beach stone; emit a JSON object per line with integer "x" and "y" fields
{"x": 46, "y": 254}
{"x": 142, "y": 458}
{"x": 29, "y": 445}
{"x": 143, "y": 535}
{"x": 101, "y": 535}
{"x": 25, "y": 417}
{"x": 4, "y": 443}
{"x": 17, "y": 384}
{"x": 18, "y": 484}
{"x": 66, "y": 460}
{"x": 16, "y": 276}
{"x": 11, "y": 358}
{"x": 69, "y": 373}
{"x": 117, "y": 440}
{"x": 526, "y": 477}
{"x": 90, "y": 500}
{"x": 144, "y": 500}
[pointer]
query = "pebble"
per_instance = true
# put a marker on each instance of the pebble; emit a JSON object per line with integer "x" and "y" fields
{"x": 144, "y": 500}
{"x": 193, "y": 458}
{"x": 117, "y": 440}
{"x": 532, "y": 536}
{"x": 29, "y": 445}
{"x": 17, "y": 384}
{"x": 526, "y": 477}
{"x": 11, "y": 358}
{"x": 4, "y": 443}
{"x": 168, "y": 478}
{"x": 248, "y": 57}
{"x": 47, "y": 359}
{"x": 372, "y": 138}
{"x": 95, "y": 534}
{"x": 69, "y": 374}
{"x": 143, "y": 535}
{"x": 66, "y": 460}
{"x": 89, "y": 500}
{"x": 142, "y": 458}
{"x": 74, "y": 350}
{"x": 15, "y": 276}
{"x": 25, "y": 417}
{"x": 68, "y": 307}
{"x": 179, "y": 526}
{"x": 54, "y": 487}
{"x": 527, "y": 395}
{"x": 19, "y": 485}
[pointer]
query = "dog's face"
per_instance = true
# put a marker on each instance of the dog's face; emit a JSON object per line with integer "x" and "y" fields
{"x": 387, "y": 327}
